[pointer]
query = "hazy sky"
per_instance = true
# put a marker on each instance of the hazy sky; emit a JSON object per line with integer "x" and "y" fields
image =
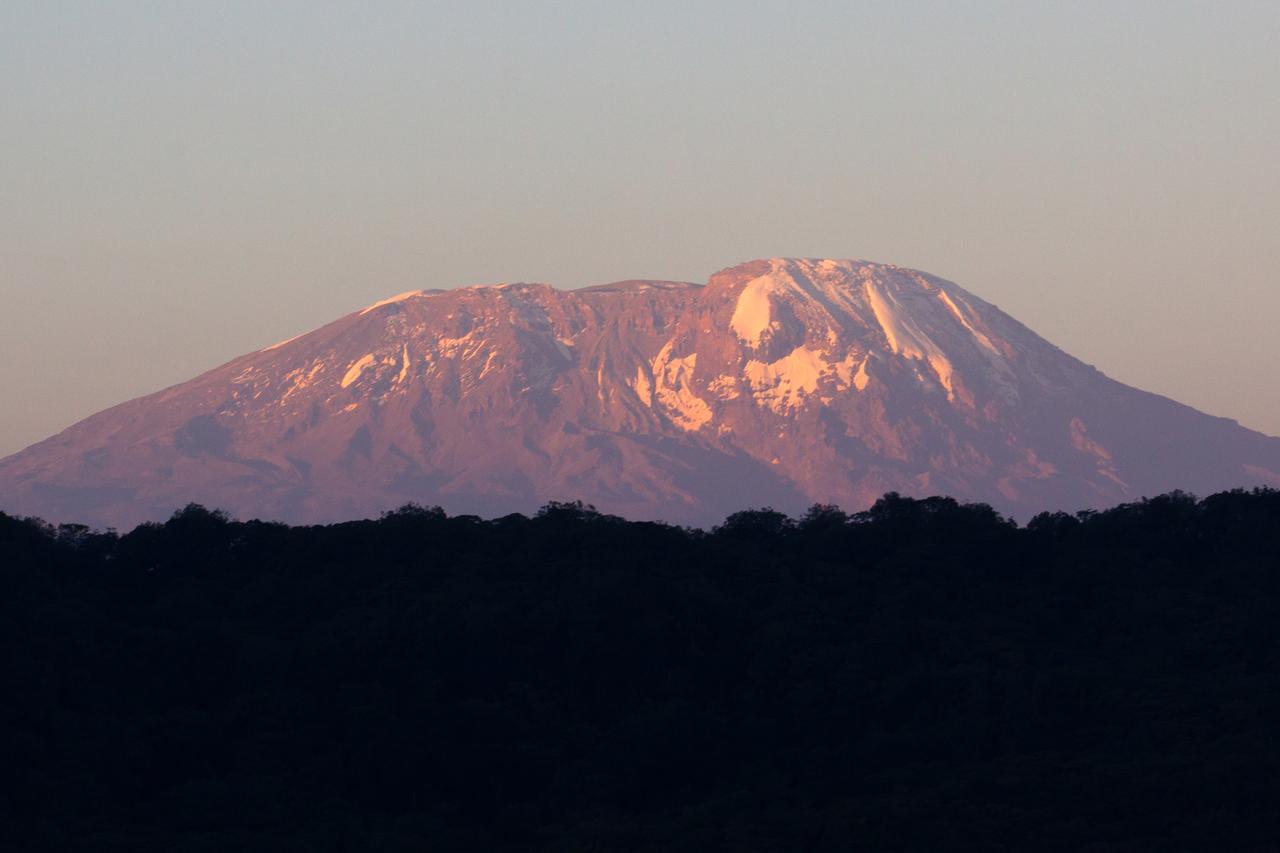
{"x": 184, "y": 182}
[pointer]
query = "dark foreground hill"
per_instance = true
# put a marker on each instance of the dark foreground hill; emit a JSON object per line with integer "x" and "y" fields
{"x": 921, "y": 676}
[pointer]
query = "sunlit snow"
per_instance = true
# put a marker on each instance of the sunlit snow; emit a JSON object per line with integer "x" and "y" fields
{"x": 353, "y": 373}
{"x": 401, "y": 297}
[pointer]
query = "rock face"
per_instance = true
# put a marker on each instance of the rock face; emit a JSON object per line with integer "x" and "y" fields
{"x": 780, "y": 382}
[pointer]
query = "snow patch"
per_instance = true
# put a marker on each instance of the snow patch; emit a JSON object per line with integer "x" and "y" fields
{"x": 1081, "y": 441}
{"x": 783, "y": 384}
{"x": 643, "y": 390}
{"x": 672, "y": 378}
{"x": 860, "y": 379}
{"x": 752, "y": 315}
{"x": 401, "y": 297}
{"x": 942, "y": 368}
{"x": 448, "y": 347}
{"x": 404, "y": 367}
{"x": 353, "y": 372}
{"x": 299, "y": 381}
{"x": 725, "y": 387}
{"x": 282, "y": 343}
{"x": 964, "y": 321}
{"x": 846, "y": 377}
{"x": 905, "y": 337}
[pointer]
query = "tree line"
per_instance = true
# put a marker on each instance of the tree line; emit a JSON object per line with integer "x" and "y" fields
{"x": 923, "y": 675}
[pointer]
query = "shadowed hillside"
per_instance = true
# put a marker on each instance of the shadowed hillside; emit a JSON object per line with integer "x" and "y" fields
{"x": 921, "y": 676}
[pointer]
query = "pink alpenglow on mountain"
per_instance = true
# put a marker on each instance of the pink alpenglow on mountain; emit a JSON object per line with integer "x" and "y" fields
{"x": 780, "y": 382}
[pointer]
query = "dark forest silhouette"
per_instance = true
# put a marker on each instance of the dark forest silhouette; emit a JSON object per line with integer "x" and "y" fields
{"x": 924, "y": 675}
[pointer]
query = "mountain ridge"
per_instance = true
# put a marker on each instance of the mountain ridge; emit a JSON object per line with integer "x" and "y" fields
{"x": 782, "y": 381}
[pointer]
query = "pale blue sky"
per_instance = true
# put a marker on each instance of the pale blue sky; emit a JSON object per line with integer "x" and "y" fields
{"x": 183, "y": 182}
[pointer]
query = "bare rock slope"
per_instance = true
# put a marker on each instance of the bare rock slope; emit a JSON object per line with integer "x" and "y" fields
{"x": 780, "y": 382}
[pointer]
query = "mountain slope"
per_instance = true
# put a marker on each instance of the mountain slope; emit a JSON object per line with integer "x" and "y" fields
{"x": 782, "y": 381}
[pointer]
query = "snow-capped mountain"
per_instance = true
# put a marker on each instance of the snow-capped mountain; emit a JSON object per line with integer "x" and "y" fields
{"x": 780, "y": 382}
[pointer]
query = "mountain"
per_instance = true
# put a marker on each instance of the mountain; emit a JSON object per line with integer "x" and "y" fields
{"x": 780, "y": 382}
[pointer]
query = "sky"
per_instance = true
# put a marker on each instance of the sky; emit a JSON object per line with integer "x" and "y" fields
{"x": 184, "y": 182}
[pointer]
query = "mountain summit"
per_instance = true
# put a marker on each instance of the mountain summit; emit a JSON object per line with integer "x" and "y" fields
{"x": 782, "y": 382}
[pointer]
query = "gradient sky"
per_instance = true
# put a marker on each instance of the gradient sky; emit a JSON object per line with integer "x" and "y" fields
{"x": 183, "y": 182}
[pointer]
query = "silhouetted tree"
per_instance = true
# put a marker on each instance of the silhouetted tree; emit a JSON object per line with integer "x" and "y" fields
{"x": 755, "y": 524}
